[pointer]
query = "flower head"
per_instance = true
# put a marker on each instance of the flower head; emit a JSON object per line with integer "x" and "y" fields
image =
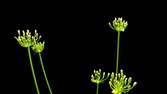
{"x": 97, "y": 78}
{"x": 119, "y": 24}
{"x": 38, "y": 47}
{"x": 26, "y": 39}
{"x": 120, "y": 84}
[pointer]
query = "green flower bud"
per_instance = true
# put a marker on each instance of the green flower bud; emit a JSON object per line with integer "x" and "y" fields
{"x": 134, "y": 84}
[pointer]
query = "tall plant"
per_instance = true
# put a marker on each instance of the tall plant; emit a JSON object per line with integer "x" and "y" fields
{"x": 118, "y": 82}
{"x": 28, "y": 41}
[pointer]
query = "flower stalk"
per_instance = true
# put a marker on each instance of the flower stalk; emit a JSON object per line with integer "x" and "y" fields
{"x": 32, "y": 69}
{"x": 117, "y": 61}
{"x": 43, "y": 70}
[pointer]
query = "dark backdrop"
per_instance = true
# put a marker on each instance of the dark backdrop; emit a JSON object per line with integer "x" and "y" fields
{"x": 79, "y": 42}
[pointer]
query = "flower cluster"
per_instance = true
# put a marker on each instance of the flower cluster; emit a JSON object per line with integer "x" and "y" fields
{"x": 98, "y": 78}
{"x": 120, "y": 84}
{"x": 38, "y": 47}
{"x": 27, "y": 40}
{"x": 119, "y": 24}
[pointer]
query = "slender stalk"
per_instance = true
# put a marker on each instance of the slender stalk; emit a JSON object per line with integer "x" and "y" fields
{"x": 97, "y": 89}
{"x": 118, "y": 40}
{"x": 43, "y": 69}
{"x": 32, "y": 69}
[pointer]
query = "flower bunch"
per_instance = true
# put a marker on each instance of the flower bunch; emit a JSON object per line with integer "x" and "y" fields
{"x": 26, "y": 39}
{"x": 119, "y": 83}
{"x": 119, "y": 24}
{"x": 98, "y": 77}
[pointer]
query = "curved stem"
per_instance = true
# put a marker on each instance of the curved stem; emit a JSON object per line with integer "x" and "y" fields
{"x": 32, "y": 69}
{"x": 118, "y": 40}
{"x": 43, "y": 69}
{"x": 97, "y": 89}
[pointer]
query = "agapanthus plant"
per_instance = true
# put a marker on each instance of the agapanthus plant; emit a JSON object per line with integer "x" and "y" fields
{"x": 119, "y": 25}
{"x": 38, "y": 48}
{"x": 28, "y": 41}
{"x": 119, "y": 83}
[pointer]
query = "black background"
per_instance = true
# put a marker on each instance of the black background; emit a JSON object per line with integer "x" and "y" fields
{"x": 79, "y": 41}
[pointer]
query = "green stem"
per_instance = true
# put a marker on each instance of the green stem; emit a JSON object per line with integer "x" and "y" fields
{"x": 118, "y": 40}
{"x": 97, "y": 89}
{"x": 32, "y": 69}
{"x": 43, "y": 69}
